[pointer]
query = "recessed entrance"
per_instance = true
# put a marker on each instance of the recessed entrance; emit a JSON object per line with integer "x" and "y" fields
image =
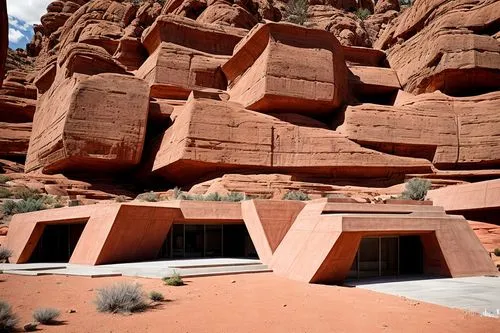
{"x": 388, "y": 256}
{"x": 208, "y": 241}
{"x": 57, "y": 243}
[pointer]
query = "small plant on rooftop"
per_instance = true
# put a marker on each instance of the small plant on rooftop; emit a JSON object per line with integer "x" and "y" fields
{"x": 121, "y": 298}
{"x": 362, "y": 13}
{"x": 148, "y": 196}
{"x": 8, "y": 320}
{"x": 5, "y": 193}
{"x": 174, "y": 280}
{"x": 497, "y": 252}
{"x": 5, "y": 254}
{"x": 156, "y": 296}
{"x": 296, "y": 195}
{"x": 296, "y": 11}
{"x": 46, "y": 316}
{"x": 416, "y": 189}
{"x": 234, "y": 197}
{"x": 4, "y": 179}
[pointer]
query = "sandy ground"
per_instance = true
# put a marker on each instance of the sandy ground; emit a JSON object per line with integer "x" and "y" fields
{"x": 239, "y": 303}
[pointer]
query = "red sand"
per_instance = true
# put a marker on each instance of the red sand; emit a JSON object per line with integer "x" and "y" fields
{"x": 252, "y": 303}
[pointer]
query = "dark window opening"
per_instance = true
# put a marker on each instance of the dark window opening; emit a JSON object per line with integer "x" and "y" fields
{"x": 57, "y": 243}
{"x": 208, "y": 241}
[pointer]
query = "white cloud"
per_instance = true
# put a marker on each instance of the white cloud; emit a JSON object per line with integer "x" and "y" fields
{"x": 28, "y": 11}
{"x": 18, "y": 24}
{"x": 15, "y": 36}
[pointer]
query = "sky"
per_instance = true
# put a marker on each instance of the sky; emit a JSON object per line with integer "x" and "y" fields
{"x": 22, "y": 15}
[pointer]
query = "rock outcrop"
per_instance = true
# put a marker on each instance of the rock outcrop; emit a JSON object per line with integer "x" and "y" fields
{"x": 212, "y": 137}
{"x": 266, "y": 72}
{"x": 182, "y": 92}
{"x": 445, "y": 45}
{"x": 88, "y": 120}
{"x": 4, "y": 38}
{"x": 450, "y": 132}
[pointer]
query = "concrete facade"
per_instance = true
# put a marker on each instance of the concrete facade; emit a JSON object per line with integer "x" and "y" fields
{"x": 314, "y": 241}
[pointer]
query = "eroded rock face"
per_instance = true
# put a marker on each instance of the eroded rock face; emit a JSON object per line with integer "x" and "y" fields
{"x": 445, "y": 45}
{"x": 14, "y": 139}
{"x": 87, "y": 120}
{"x": 4, "y": 38}
{"x": 450, "y": 132}
{"x": 215, "y": 137}
{"x": 186, "y": 55}
{"x": 267, "y": 71}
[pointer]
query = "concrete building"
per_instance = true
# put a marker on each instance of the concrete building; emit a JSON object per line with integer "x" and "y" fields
{"x": 317, "y": 241}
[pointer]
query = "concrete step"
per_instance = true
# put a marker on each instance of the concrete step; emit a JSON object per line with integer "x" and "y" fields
{"x": 223, "y": 270}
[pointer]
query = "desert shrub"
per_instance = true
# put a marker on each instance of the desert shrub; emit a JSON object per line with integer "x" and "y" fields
{"x": 405, "y": 3}
{"x": 8, "y": 320}
{"x": 27, "y": 193}
{"x": 296, "y": 195}
{"x": 121, "y": 198}
{"x": 121, "y": 298}
{"x": 234, "y": 197}
{"x": 4, "y": 179}
{"x": 148, "y": 196}
{"x": 46, "y": 316}
{"x": 177, "y": 193}
{"x": 74, "y": 203}
{"x": 5, "y": 254}
{"x": 156, "y": 296}
{"x": 213, "y": 197}
{"x": 11, "y": 207}
{"x": 416, "y": 189}
{"x": 362, "y": 13}
{"x": 5, "y": 193}
{"x": 497, "y": 252}
{"x": 296, "y": 11}
{"x": 174, "y": 280}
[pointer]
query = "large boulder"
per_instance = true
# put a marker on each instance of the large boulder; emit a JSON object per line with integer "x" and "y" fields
{"x": 445, "y": 45}
{"x": 267, "y": 71}
{"x": 186, "y": 55}
{"x": 87, "y": 120}
{"x": 448, "y": 131}
{"x": 210, "y": 137}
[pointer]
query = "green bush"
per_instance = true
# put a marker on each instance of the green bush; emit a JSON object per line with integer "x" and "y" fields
{"x": 149, "y": 197}
{"x": 416, "y": 189}
{"x": 8, "y": 320}
{"x": 405, "y": 3}
{"x": 27, "y": 193}
{"x": 4, "y": 179}
{"x": 235, "y": 197}
{"x": 296, "y": 11}
{"x": 156, "y": 296}
{"x": 121, "y": 198}
{"x": 174, "y": 280}
{"x": 5, "y": 254}
{"x": 213, "y": 197}
{"x": 363, "y": 13}
{"x": 497, "y": 252}
{"x": 5, "y": 193}
{"x": 121, "y": 298}
{"x": 11, "y": 207}
{"x": 46, "y": 316}
{"x": 296, "y": 195}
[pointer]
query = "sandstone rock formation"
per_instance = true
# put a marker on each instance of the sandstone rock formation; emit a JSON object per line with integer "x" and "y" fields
{"x": 212, "y": 137}
{"x": 266, "y": 73}
{"x": 450, "y": 132}
{"x": 445, "y": 45}
{"x": 4, "y": 38}
{"x": 185, "y": 92}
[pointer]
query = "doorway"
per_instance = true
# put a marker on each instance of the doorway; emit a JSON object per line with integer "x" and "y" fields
{"x": 208, "y": 241}
{"x": 388, "y": 256}
{"x": 57, "y": 243}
